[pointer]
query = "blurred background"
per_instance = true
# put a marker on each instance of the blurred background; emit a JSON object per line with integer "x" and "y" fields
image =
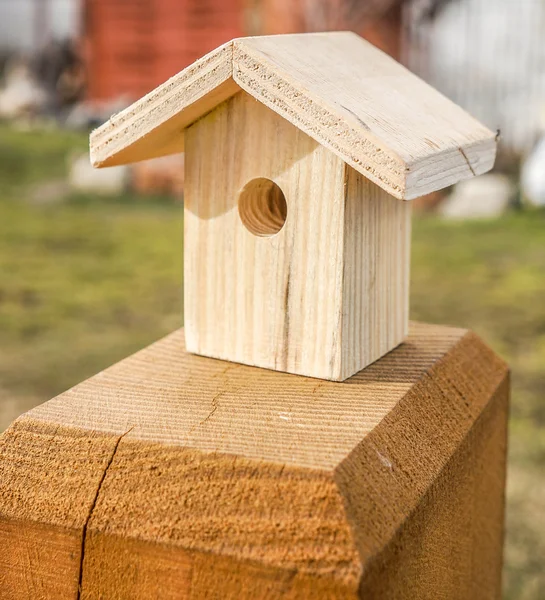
{"x": 91, "y": 261}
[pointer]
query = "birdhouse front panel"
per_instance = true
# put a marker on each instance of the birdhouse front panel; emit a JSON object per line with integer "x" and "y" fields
{"x": 271, "y": 219}
{"x": 263, "y": 241}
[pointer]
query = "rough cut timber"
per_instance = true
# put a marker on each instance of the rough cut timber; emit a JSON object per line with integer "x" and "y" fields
{"x": 350, "y": 97}
{"x": 181, "y": 477}
{"x": 324, "y": 297}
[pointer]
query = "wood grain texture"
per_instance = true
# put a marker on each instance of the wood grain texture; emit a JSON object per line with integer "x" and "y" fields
{"x": 274, "y": 302}
{"x": 360, "y": 103}
{"x": 177, "y": 476}
{"x": 324, "y": 297}
{"x": 50, "y": 475}
{"x": 343, "y": 92}
{"x": 376, "y": 267}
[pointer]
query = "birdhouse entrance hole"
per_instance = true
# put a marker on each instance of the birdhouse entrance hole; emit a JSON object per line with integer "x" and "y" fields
{"x": 262, "y": 207}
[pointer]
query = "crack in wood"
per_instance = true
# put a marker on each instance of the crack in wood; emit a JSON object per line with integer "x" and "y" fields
{"x": 93, "y": 504}
{"x": 215, "y": 406}
{"x": 358, "y": 119}
{"x": 467, "y": 161}
{"x": 286, "y": 332}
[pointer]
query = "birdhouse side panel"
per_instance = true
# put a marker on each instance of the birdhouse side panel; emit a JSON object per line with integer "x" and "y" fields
{"x": 264, "y": 227}
{"x": 376, "y": 272}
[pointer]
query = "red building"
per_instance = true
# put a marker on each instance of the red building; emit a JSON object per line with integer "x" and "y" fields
{"x": 133, "y": 46}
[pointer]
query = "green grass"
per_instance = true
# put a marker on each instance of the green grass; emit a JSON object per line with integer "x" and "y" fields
{"x": 85, "y": 282}
{"x": 30, "y": 157}
{"x": 82, "y": 287}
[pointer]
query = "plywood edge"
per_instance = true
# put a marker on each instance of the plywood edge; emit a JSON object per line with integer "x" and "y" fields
{"x": 263, "y": 66}
{"x": 407, "y": 451}
{"x": 153, "y": 126}
{"x": 345, "y": 135}
{"x": 451, "y": 166}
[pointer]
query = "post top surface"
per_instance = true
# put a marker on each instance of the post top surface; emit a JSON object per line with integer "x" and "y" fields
{"x": 178, "y": 462}
{"x": 164, "y": 394}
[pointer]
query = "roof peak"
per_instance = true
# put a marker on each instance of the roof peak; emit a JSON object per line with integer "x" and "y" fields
{"x": 358, "y": 102}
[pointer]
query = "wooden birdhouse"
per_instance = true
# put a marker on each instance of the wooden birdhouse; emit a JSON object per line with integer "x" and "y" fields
{"x": 301, "y": 153}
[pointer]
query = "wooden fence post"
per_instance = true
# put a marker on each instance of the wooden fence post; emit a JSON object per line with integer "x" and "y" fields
{"x": 176, "y": 476}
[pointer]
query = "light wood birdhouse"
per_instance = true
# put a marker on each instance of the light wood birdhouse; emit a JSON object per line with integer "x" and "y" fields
{"x": 301, "y": 152}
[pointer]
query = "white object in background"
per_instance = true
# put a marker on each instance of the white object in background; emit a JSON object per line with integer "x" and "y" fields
{"x": 21, "y": 95}
{"x": 84, "y": 178}
{"x": 532, "y": 177}
{"x": 480, "y": 198}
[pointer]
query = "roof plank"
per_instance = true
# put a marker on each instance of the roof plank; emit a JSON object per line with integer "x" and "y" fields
{"x": 153, "y": 125}
{"x": 380, "y": 118}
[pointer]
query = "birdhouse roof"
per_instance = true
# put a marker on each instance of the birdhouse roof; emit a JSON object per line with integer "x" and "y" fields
{"x": 380, "y": 118}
